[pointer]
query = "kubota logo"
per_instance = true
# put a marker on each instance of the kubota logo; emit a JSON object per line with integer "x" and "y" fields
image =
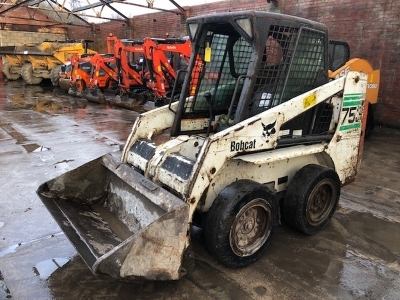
{"x": 171, "y": 47}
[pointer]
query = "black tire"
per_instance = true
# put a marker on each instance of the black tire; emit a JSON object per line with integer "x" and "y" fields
{"x": 369, "y": 128}
{"x": 6, "y": 71}
{"x": 27, "y": 74}
{"x": 55, "y": 75}
{"x": 241, "y": 223}
{"x": 311, "y": 198}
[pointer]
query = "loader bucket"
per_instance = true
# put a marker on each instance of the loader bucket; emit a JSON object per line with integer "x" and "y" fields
{"x": 64, "y": 84}
{"x": 121, "y": 223}
{"x": 95, "y": 95}
{"x": 76, "y": 92}
{"x": 127, "y": 102}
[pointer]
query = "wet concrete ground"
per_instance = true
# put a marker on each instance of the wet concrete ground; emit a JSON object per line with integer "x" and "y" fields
{"x": 44, "y": 133}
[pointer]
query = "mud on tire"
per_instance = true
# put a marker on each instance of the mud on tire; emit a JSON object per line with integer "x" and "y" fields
{"x": 6, "y": 71}
{"x": 27, "y": 74}
{"x": 55, "y": 75}
{"x": 241, "y": 223}
{"x": 311, "y": 198}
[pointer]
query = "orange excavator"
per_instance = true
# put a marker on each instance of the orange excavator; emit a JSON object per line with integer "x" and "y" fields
{"x": 162, "y": 68}
{"x": 152, "y": 76}
{"x": 131, "y": 66}
{"x": 75, "y": 74}
{"x": 104, "y": 76}
{"x": 80, "y": 74}
{"x": 340, "y": 64}
{"x": 136, "y": 70}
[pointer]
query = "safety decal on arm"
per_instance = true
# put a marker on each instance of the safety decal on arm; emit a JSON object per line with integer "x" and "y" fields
{"x": 352, "y": 111}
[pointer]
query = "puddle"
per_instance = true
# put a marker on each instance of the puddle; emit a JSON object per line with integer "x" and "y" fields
{"x": 377, "y": 237}
{"x": 43, "y": 100}
{"x": 19, "y": 137}
{"x": 357, "y": 279}
{"x": 35, "y": 148}
{"x": 9, "y": 250}
{"x": 13, "y": 248}
{"x": 47, "y": 267}
{"x": 22, "y": 139}
{"x": 48, "y": 104}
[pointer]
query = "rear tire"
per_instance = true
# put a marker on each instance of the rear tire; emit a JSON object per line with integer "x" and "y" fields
{"x": 55, "y": 75}
{"x": 311, "y": 198}
{"x": 241, "y": 223}
{"x": 6, "y": 71}
{"x": 27, "y": 74}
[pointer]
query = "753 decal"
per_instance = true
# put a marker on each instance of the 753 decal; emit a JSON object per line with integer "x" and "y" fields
{"x": 352, "y": 111}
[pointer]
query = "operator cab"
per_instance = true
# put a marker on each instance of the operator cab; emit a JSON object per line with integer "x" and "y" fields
{"x": 237, "y": 74}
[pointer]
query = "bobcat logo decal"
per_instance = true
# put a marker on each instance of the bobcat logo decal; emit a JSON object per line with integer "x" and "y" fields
{"x": 268, "y": 131}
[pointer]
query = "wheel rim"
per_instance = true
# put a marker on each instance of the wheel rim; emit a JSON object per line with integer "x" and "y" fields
{"x": 251, "y": 227}
{"x": 320, "y": 202}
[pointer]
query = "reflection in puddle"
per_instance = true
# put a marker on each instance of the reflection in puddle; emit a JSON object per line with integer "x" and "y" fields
{"x": 13, "y": 248}
{"x": 48, "y": 104}
{"x": 9, "y": 250}
{"x": 42, "y": 101}
{"x": 35, "y": 148}
{"x": 47, "y": 267}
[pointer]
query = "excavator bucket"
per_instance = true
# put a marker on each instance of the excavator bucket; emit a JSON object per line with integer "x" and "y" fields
{"x": 64, "y": 83}
{"x": 95, "y": 95}
{"x": 120, "y": 224}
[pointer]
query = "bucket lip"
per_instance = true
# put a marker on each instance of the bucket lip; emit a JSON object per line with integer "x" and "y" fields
{"x": 181, "y": 243}
{"x": 176, "y": 217}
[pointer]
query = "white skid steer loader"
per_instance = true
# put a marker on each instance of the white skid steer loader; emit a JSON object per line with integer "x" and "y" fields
{"x": 258, "y": 133}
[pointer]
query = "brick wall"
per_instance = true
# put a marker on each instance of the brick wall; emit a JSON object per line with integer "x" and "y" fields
{"x": 15, "y": 38}
{"x": 371, "y": 27}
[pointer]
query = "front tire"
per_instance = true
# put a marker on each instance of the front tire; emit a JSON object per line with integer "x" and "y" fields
{"x": 311, "y": 198}
{"x": 55, "y": 75}
{"x": 27, "y": 74}
{"x": 6, "y": 71}
{"x": 241, "y": 223}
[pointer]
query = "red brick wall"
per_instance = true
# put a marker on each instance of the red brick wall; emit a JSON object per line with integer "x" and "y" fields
{"x": 370, "y": 27}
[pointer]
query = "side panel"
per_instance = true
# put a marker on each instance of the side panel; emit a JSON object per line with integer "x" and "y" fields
{"x": 344, "y": 146}
{"x": 276, "y": 175}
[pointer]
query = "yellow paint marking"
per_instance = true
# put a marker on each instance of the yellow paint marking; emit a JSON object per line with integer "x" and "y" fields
{"x": 309, "y": 100}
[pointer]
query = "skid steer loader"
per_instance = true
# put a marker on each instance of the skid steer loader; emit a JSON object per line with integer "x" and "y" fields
{"x": 258, "y": 133}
